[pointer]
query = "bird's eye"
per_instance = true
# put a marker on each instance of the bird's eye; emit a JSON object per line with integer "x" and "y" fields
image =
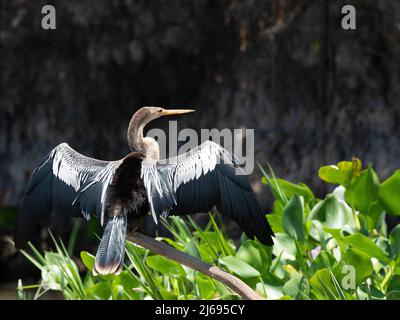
{"x": 160, "y": 110}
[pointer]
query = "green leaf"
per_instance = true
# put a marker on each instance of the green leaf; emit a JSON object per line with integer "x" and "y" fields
{"x": 128, "y": 284}
{"x": 100, "y": 291}
{"x": 210, "y": 244}
{"x": 332, "y": 213}
{"x": 389, "y": 193}
{"x": 317, "y": 231}
{"x": 332, "y": 174}
{"x": 284, "y": 243}
{"x": 322, "y": 283}
{"x": 274, "y": 186}
{"x": 205, "y": 287}
{"x": 323, "y": 260}
{"x": 342, "y": 173}
{"x": 56, "y": 258}
{"x": 165, "y": 266}
{"x": 374, "y": 292}
{"x": 360, "y": 261}
{"x": 393, "y": 295}
{"x": 394, "y": 240}
{"x": 366, "y": 222}
{"x": 290, "y": 189}
{"x": 393, "y": 289}
{"x": 168, "y": 295}
{"x": 88, "y": 260}
{"x": 241, "y": 268}
{"x": 366, "y": 245}
{"x": 293, "y": 218}
{"x": 383, "y": 244}
{"x": 272, "y": 285}
{"x": 275, "y": 219}
{"x": 297, "y": 287}
{"x": 381, "y": 225}
{"x": 363, "y": 190}
{"x": 375, "y": 211}
{"x": 256, "y": 255}
{"x": 191, "y": 249}
{"x": 52, "y": 277}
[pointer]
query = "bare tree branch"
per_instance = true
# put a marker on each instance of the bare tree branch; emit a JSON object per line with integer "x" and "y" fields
{"x": 163, "y": 249}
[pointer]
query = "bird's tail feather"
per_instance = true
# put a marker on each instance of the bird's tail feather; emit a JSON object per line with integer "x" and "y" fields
{"x": 111, "y": 251}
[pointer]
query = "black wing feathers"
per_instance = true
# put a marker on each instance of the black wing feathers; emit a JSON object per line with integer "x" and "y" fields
{"x": 66, "y": 183}
{"x": 197, "y": 195}
{"x": 198, "y": 181}
{"x": 231, "y": 194}
{"x": 240, "y": 202}
{"x": 36, "y": 205}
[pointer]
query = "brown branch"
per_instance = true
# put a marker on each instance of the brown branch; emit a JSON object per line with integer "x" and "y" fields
{"x": 163, "y": 249}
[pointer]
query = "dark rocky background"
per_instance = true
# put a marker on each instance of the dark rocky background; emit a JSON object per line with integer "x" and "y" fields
{"x": 314, "y": 93}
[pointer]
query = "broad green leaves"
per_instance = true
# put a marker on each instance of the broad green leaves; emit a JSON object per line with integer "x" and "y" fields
{"x": 394, "y": 240}
{"x": 324, "y": 286}
{"x": 344, "y": 239}
{"x": 342, "y": 173}
{"x": 353, "y": 260}
{"x": 389, "y": 194}
{"x": 241, "y": 268}
{"x": 332, "y": 213}
{"x": 293, "y": 218}
{"x": 165, "y": 266}
{"x": 363, "y": 190}
{"x": 297, "y": 287}
{"x": 256, "y": 255}
{"x": 393, "y": 289}
{"x": 205, "y": 286}
{"x": 366, "y": 245}
{"x": 338, "y": 247}
{"x": 290, "y": 189}
{"x": 100, "y": 291}
{"x": 88, "y": 260}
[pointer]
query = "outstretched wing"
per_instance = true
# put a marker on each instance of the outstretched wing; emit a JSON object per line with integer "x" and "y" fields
{"x": 200, "y": 179}
{"x": 66, "y": 182}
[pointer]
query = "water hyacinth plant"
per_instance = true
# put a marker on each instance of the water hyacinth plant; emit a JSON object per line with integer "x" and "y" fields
{"x": 336, "y": 248}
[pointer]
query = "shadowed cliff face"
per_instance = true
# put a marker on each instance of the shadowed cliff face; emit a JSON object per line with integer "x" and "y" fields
{"x": 314, "y": 93}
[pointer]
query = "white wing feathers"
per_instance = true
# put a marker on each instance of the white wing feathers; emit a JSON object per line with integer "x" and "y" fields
{"x": 81, "y": 173}
{"x": 162, "y": 178}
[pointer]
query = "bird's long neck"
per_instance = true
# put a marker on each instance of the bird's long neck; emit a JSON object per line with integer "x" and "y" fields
{"x": 137, "y": 142}
{"x": 135, "y": 133}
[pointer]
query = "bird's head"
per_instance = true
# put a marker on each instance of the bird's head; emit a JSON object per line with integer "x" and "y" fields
{"x": 150, "y": 113}
{"x": 141, "y": 118}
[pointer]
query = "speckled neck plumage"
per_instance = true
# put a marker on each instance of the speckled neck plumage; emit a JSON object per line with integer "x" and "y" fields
{"x": 136, "y": 141}
{"x": 135, "y": 131}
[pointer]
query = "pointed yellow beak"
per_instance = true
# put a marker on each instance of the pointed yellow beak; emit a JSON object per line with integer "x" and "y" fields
{"x": 169, "y": 112}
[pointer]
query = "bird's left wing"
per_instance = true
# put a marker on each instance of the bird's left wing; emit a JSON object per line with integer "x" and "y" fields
{"x": 200, "y": 179}
{"x": 66, "y": 182}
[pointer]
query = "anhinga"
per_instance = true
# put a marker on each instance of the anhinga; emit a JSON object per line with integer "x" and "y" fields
{"x": 69, "y": 183}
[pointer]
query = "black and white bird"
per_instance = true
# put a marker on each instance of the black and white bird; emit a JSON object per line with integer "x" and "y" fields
{"x": 122, "y": 192}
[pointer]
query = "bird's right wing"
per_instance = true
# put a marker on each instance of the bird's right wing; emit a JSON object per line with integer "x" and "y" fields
{"x": 200, "y": 179}
{"x": 66, "y": 182}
